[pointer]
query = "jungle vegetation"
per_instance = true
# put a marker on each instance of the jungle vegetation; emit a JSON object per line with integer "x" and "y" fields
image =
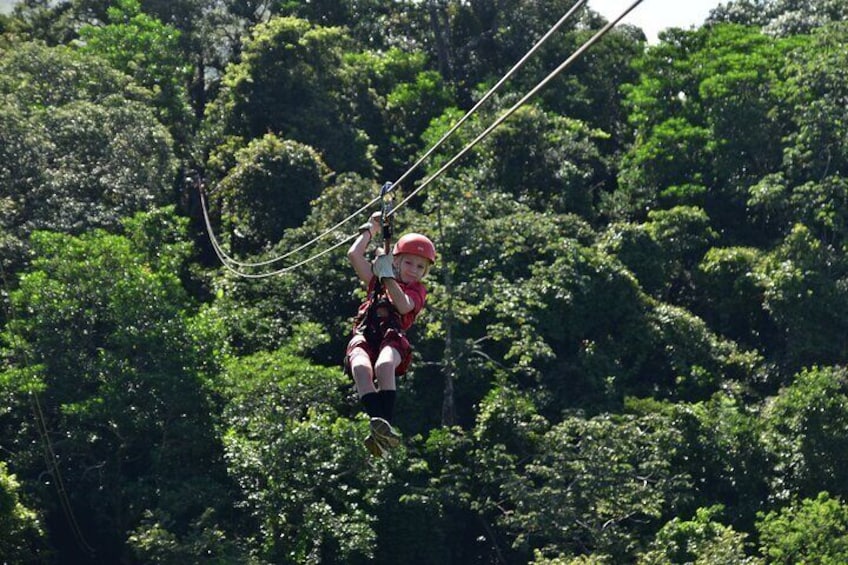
{"x": 635, "y": 343}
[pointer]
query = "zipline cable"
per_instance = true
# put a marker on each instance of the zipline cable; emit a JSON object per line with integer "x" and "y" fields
{"x": 48, "y": 452}
{"x": 565, "y": 64}
{"x": 492, "y": 90}
{"x": 228, "y": 261}
{"x": 224, "y": 257}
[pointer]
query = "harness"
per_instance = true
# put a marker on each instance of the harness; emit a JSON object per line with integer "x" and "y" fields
{"x": 377, "y": 316}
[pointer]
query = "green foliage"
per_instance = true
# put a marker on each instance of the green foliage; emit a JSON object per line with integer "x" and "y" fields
{"x": 805, "y": 426}
{"x": 723, "y": 452}
{"x": 122, "y": 141}
{"x": 106, "y": 338}
{"x": 673, "y": 155}
{"x": 803, "y": 284}
{"x": 593, "y": 480}
{"x": 508, "y": 417}
{"x": 487, "y": 38}
{"x": 683, "y": 234}
{"x": 303, "y": 474}
{"x": 730, "y": 295}
{"x": 20, "y": 529}
{"x": 698, "y": 360}
{"x": 251, "y": 309}
{"x": 547, "y": 161}
{"x": 292, "y": 81}
{"x": 813, "y": 89}
{"x": 410, "y": 107}
{"x": 81, "y": 152}
{"x": 640, "y": 307}
{"x": 709, "y": 119}
{"x": 700, "y": 541}
{"x": 812, "y": 530}
{"x": 42, "y": 21}
{"x": 147, "y": 50}
{"x": 593, "y": 559}
{"x": 781, "y": 17}
{"x": 30, "y": 72}
{"x": 154, "y": 541}
{"x": 374, "y": 23}
{"x": 640, "y": 252}
{"x": 19, "y": 144}
{"x": 269, "y": 190}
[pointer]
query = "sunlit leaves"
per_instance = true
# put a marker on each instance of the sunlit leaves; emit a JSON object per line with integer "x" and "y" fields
{"x": 292, "y": 81}
{"x": 730, "y": 294}
{"x": 805, "y": 432}
{"x": 808, "y": 530}
{"x": 122, "y": 379}
{"x": 269, "y": 189}
{"x": 594, "y": 477}
{"x": 19, "y": 526}
{"x": 300, "y": 465}
{"x": 147, "y": 50}
{"x": 703, "y": 540}
{"x": 816, "y": 92}
{"x": 85, "y": 148}
{"x": 706, "y": 118}
{"x": 804, "y": 285}
{"x": 40, "y": 77}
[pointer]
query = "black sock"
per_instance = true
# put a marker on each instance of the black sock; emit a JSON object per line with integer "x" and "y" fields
{"x": 387, "y": 404}
{"x": 372, "y": 404}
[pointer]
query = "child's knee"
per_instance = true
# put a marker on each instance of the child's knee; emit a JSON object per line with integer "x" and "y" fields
{"x": 385, "y": 367}
{"x": 358, "y": 357}
{"x": 387, "y": 362}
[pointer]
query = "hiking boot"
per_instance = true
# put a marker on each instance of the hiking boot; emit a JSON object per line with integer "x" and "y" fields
{"x": 385, "y": 434}
{"x": 373, "y": 446}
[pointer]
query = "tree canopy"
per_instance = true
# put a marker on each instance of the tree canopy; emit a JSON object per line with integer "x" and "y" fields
{"x": 635, "y": 339}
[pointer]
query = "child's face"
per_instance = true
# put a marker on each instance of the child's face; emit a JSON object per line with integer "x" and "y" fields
{"x": 411, "y": 268}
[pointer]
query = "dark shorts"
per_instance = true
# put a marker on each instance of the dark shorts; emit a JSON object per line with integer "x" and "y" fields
{"x": 393, "y": 338}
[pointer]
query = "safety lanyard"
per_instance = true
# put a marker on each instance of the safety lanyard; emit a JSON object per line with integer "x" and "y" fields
{"x": 386, "y": 207}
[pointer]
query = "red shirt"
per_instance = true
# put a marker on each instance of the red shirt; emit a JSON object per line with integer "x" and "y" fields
{"x": 416, "y": 292}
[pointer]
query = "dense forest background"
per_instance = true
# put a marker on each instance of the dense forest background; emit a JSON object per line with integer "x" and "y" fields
{"x": 635, "y": 342}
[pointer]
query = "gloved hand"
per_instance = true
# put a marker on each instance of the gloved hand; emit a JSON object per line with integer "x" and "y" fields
{"x": 383, "y": 267}
{"x": 372, "y": 225}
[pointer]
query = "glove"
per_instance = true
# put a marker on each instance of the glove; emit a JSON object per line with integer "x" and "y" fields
{"x": 367, "y": 226}
{"x": 372, "y": 225}
{"x": 383, "y": 268}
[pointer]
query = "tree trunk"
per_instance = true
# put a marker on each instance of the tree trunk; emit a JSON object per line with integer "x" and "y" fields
{"x": 448, "y": 365}
{"x": 441, "y": 41}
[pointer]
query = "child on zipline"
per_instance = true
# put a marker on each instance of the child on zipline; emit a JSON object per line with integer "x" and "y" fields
{"x": 379, "y": 350}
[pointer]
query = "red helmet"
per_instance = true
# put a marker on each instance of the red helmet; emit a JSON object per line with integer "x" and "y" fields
{"x": 416, "y": 244}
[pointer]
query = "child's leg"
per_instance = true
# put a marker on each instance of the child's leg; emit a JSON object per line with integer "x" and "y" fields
{"x": 359, "y": 363}
{"x": 385, "y": 366}
{"x": 362, "y": 372}
{"x": 363, "y": 379}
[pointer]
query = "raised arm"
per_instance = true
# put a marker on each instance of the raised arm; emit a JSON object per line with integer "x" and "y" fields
{"x": 356, "y": 252}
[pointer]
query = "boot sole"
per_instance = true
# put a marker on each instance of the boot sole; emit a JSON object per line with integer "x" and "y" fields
{"x": 384, "y": 433}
